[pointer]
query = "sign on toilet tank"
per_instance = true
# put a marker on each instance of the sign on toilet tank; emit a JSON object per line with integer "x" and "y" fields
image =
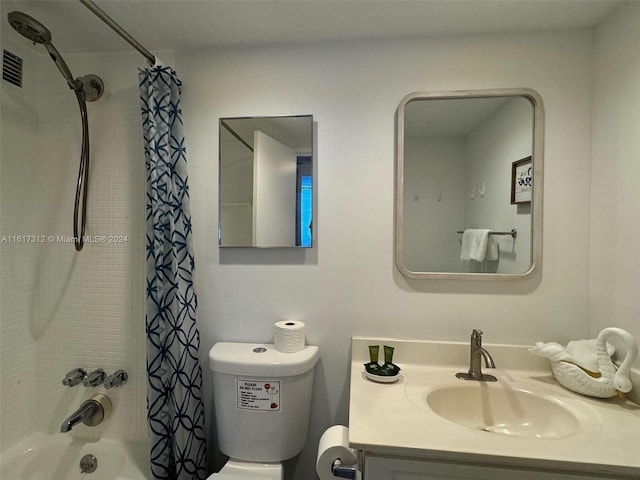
{"x": 260, "y": 395}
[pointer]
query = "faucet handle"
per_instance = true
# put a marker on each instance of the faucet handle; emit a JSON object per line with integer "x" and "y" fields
{"x": 118, "y": 378}
{"x": 476, "y": 333}
{"x": 74, "y": 377}
{"x": 95, "y": 378}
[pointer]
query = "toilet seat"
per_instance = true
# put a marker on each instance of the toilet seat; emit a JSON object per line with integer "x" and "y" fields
{"x": 241, "y": 470}
{"x": 224, "y": 476}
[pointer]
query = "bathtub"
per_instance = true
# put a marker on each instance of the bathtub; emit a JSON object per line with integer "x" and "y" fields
{"x": 57, "y": 457}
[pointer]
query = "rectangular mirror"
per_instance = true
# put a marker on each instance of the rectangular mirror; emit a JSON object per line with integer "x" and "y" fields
{"x": 266, "y": 182}
{"x": 469, "y": 175}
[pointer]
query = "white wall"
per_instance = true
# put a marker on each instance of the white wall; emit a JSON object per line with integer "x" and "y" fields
{"x": 347, "y": 284}
{"x": 615, "y": 192}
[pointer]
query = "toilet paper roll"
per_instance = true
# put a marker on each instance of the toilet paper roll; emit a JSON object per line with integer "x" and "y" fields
{"x": 333, "y": 444}
{"x": 289, "y": 336}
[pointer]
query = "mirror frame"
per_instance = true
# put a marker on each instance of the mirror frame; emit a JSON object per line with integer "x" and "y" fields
{"x": 537, "y": 196}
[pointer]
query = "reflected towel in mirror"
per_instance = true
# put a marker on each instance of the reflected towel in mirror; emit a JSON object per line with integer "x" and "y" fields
{"x": 478, "y": 245}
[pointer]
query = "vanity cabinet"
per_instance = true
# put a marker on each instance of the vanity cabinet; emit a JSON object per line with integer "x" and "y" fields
{"x": 382, "y": 467}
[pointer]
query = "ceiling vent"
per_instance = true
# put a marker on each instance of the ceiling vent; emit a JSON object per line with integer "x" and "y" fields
{"x": 11, "y": 68}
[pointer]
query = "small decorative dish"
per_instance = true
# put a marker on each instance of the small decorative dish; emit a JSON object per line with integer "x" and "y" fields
{"x": 382, "y": 378}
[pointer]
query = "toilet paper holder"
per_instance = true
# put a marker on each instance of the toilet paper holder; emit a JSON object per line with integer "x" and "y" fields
{"x": 343, "y": 471}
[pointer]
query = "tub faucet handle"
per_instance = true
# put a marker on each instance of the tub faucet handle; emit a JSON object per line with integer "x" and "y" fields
{"x": 74, "y": 377}
{"x": 118, "y": 378}
{"x": 95, "y": 378}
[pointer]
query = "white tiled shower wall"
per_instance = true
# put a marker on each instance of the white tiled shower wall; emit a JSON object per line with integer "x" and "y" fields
{"x": 17, "y": 349}
{"x": 62, "y": 309}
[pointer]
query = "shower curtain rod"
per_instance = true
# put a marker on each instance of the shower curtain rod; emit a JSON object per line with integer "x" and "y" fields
{"x": 151, "y": 59}
{"x": 235, "y": 134}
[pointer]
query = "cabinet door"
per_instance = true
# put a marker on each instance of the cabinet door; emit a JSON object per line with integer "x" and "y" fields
{"x": 391, "y": 468}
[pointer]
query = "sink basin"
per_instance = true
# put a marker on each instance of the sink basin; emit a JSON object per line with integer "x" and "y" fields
{"x": 505, "y": 411}
{"x": 507, "y": 407}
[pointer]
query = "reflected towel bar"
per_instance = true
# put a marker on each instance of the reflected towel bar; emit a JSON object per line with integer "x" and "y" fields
{"x": 513, "y": 233}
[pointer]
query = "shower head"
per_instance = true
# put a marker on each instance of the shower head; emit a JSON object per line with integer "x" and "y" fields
{"x": 29, "y": 27}
{"x": 32, "y": 29}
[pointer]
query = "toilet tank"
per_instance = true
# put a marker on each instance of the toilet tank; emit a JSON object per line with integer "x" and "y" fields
{"x": 262, "y": 399}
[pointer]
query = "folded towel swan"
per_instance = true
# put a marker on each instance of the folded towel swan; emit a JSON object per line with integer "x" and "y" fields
{"x": 570, "y": 371}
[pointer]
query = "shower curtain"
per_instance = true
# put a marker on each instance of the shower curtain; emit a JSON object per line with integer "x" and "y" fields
{"x": 175, "y": 411}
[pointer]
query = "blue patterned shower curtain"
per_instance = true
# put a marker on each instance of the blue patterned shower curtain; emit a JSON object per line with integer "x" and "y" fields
{"x": 175, "y": 411}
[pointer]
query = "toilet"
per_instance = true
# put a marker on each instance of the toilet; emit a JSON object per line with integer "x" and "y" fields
{"x": 262, "y": 401}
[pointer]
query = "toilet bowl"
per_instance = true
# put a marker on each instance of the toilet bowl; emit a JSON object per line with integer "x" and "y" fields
{"x": 262, "y": 402}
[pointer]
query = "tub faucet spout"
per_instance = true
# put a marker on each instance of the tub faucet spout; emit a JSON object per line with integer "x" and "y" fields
{"x": 92, "y": 412}
{"x": 85, "y": 412}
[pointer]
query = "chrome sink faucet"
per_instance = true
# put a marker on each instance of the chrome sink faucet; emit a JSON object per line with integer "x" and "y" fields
{"x": 475, "y": 362}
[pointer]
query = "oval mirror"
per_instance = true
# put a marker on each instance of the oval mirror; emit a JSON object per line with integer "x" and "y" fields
{"x": 469, "y": 174}
{"x": 266, "y": 181}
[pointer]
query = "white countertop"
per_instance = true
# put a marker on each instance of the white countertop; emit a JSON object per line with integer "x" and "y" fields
{"x": 383, "y": 420}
